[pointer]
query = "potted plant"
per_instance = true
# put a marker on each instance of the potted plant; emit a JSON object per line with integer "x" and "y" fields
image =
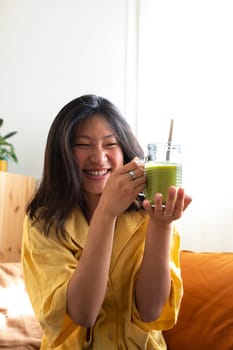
{"x": 7, "y": 150}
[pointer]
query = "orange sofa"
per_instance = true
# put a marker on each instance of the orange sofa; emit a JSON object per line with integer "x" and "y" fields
{"x": 205, "y": 321}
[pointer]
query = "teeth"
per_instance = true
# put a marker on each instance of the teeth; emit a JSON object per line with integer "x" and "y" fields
{"x": 97, "y": 172}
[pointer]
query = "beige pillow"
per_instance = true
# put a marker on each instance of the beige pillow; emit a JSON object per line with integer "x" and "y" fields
{"x": 206, "y": 316}
{"x": 19, "y": 328}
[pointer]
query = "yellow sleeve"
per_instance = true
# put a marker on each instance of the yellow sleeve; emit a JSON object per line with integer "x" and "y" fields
{"x": 47, "y": 266}
{"x": 171, "y": 308}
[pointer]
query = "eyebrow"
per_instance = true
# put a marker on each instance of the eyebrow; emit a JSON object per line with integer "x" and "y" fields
{"x": 89, "y": 137}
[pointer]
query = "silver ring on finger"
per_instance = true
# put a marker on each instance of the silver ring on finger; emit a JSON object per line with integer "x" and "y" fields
{"x": 132, "y": 174}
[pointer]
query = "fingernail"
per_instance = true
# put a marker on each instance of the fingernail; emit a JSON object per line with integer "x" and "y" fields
{"x": 139, "y": 160}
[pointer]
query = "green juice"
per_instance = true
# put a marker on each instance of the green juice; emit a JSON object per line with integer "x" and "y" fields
{"x": 160, "y": 176}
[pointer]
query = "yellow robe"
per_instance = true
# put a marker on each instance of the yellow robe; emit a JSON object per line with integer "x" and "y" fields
{"x": 48, "y": 264}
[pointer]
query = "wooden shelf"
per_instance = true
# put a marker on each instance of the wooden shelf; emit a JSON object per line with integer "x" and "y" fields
{"x": 15, "y": 191}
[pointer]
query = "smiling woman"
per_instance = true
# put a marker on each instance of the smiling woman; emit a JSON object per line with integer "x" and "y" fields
{"x": 111, "y": 258}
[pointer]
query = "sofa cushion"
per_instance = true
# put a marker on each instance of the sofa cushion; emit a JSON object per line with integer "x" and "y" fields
{"x": 19, "y": 328}
{"x": 205, "y": 320}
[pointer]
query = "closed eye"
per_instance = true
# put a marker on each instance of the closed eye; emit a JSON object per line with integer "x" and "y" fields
{"x": 111, "y": 145}
{"x": 82, "y": 145}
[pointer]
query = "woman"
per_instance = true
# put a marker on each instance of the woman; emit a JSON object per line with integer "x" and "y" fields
{"x": 100, "y": 264}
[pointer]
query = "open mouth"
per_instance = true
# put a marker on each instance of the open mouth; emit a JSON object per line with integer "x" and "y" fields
{"x": 92, "y": 172}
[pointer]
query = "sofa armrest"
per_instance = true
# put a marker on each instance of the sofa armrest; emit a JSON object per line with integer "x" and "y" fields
{"x": 19, "y": 328}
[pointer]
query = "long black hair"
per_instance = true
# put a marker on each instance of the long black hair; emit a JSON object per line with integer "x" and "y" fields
{"x": 60, "y": 189}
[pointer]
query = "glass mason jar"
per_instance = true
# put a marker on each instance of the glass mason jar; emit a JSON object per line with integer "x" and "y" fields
{"x": 163, "y": 168}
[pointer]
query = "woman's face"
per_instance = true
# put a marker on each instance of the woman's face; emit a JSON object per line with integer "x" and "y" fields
{"x": 97, "y": 153}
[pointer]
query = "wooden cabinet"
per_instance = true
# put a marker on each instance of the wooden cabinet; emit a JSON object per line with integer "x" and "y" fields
{"x": 15, "y": 191}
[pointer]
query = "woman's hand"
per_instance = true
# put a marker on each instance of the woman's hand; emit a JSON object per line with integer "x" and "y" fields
{"x": 177, "y": 202}
{"x": 123, "y": 187}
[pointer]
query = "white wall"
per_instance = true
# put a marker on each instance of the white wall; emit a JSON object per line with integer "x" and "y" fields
{"x": 51, "y": 52}
{"x": 185, "y": 72}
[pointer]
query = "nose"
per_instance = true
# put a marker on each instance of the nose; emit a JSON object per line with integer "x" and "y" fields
{"x": 98, "y": 155}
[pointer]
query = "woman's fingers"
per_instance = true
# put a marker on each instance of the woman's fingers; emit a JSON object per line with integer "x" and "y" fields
{"x": 172, "y": 198}
{"x": 133, "y": 169}
{"x": 177, "y": 202}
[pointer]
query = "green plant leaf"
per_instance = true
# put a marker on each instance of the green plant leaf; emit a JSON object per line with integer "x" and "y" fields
{"x": 7, "y": 151}
{"x": 10, "y": 134}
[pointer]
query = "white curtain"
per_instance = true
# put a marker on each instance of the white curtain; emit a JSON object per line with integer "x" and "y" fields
{"x": 183, "y": 51}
